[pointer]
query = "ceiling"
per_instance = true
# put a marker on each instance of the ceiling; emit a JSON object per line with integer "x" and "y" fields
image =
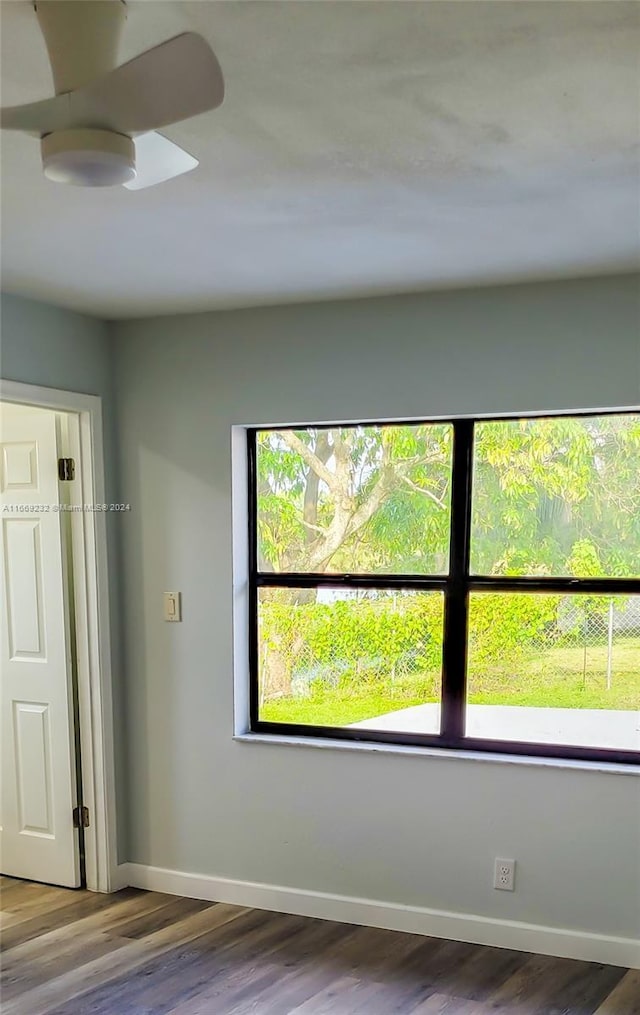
{"x": 362, "y": 148}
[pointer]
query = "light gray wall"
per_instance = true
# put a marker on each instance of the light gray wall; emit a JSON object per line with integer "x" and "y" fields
{"x": 416, "y": 830}
{"x": 41, "y": 344}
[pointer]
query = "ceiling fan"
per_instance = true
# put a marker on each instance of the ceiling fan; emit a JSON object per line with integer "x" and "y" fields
{"x": 101, "y": 127}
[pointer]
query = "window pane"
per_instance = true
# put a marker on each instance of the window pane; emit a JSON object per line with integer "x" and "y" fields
{"x": 557, "y": 497}
{"x": 343, "y": 657}
{"x": 555, "y": 669}
{"x": 366, "y": 499}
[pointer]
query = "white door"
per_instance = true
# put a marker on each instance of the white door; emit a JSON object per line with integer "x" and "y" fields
{"x": 38, "y": 840}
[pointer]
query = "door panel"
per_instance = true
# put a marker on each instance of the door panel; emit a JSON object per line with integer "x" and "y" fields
{"x": 32, "y": 763}
{"x": 19, "y": 466}
{"x": 23, "y": 572}
{"x": 37, "y": 751}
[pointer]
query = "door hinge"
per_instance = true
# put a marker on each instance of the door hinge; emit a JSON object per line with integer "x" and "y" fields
{"x": 80, "y": 817}
{"x": 66, "y": 469}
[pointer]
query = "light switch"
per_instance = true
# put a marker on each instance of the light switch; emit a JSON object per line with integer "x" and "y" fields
{"x": 172, "y": 607}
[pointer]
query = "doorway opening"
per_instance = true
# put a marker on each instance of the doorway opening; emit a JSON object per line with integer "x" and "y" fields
{"x": 58, "y": 799}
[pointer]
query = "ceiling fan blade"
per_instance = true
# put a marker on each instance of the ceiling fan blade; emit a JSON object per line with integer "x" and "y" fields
{"x": 158, "y": 159}
{"x": 171, "y": 82}
{"x": 38, "y": 118}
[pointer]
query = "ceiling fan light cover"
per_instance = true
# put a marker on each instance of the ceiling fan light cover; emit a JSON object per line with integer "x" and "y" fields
{"x": 88, "y": 158}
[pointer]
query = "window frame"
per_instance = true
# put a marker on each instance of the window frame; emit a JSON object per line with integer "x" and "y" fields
{"x": 456, "y": 588}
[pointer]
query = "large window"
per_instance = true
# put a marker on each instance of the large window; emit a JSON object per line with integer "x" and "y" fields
{"x": 463, "y": 584}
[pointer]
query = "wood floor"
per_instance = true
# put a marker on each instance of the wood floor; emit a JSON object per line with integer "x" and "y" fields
{"x": 141, "y": 953}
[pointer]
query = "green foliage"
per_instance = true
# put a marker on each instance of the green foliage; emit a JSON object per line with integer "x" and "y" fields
{"x": 368, "y": 630}
{"x": 353, "y": 641}
{"x": 584, "y": 560}
{"x": 544, "y": 489}
{"x": 556, "y": 496}
{"x": 387, "y": 508}
{"x": 358, "y": 640}
{"x": 503, "y": 626}
{"x": 551, "y": 496}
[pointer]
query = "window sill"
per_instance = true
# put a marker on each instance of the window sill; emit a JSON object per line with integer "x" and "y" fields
{"x": 528, "y": 761}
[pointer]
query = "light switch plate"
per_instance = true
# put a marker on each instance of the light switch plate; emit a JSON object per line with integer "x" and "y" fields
{"x": 172, "y": 607}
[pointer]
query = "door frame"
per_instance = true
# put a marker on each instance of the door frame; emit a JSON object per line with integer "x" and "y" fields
{"x": 93, "y": 628}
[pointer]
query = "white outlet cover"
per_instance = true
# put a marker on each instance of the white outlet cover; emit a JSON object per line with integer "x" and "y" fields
{"x": 504, "y": 874}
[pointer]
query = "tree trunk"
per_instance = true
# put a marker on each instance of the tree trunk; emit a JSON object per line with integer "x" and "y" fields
{"x": 323, "y": 451}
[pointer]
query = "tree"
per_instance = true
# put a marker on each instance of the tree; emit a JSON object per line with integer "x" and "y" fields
{"x": 377, "y": 499}
{"x": 346, "y": 499}
{"x": 362, "y": 498}
{"x": 556, "y": 496}
{"x": 544, "y": 486}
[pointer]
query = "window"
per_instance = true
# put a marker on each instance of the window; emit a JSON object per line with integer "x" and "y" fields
{"x": 462, "y": 584}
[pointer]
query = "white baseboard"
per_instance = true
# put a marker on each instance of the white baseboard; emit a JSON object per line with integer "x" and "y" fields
{"x": 370, "y": 913}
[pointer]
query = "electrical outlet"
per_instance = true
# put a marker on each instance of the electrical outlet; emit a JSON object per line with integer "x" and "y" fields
{"x": 504, "y": 875}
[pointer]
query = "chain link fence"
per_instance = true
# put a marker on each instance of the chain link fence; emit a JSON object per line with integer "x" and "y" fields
{"x": 523, "y": 643}
{"x": 350, "y": 642}
{"x": 605, "y": 630}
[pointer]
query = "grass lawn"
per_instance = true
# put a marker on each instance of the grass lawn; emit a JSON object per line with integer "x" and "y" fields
{"x": 553, "y": 679}
{"x": 335, "y": 708}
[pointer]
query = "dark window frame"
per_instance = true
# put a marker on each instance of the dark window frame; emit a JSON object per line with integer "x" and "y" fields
{"x": 456, "y": 587}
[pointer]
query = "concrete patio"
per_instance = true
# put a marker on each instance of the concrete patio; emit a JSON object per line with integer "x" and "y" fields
{"x": 619, "y": 730}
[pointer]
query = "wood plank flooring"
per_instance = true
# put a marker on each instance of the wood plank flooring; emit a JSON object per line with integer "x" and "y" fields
{"x": 141, "y": 953}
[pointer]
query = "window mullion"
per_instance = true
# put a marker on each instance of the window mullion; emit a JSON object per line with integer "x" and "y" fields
{"x": 454, "y": 662}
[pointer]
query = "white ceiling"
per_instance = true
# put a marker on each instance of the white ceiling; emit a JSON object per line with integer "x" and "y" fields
{"x": 362, "y": 148}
